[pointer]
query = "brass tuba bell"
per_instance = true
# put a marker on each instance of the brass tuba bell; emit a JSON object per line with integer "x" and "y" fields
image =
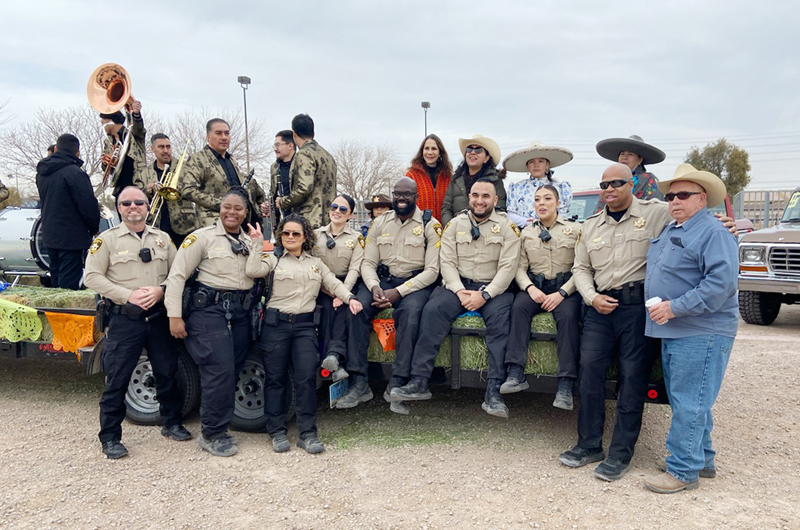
{"x": 109, "y": 88}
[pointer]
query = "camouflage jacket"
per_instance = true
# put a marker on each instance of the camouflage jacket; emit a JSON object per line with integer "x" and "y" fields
{"x": 182, "y": 213}
{"x": 203, "y": 182}
{"x": 137, "y": 153}
{"x": 312, "y": 181}
{"x": 4, "y": 193}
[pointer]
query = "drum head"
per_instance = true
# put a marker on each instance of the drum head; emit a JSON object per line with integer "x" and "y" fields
{"x": 38, "y": 251}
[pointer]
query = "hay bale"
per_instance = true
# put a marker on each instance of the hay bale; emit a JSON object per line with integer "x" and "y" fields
{"x": 49, "y": 297}
{"x": 542, "y": 355}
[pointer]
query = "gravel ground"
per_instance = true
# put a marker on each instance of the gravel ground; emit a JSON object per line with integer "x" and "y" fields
{"x": 447, "y": 465}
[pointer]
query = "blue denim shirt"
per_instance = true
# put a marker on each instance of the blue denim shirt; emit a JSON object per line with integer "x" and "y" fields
{"x": 695, "y": 266}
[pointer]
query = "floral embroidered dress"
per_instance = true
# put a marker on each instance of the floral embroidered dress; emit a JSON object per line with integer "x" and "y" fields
{"x": 521, "y": 196}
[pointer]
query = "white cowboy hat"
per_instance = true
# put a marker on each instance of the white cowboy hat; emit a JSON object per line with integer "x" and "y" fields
{"x": 518, "y": 160}
{"x": 487, "y": 143}
{"x": 612, "y": 147}
{"x": 715, "y": 188}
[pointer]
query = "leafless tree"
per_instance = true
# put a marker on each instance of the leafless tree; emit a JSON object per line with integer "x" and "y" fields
{"x": 365, "y": 170}
{"x": 5, "y": 117}
{"x": 22, "y": 147}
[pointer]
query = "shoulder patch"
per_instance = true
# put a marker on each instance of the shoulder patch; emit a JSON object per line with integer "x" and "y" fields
{"x": 515, "y": 228}
{"x": 96, "y": 244}
{"x": 362, "y": 241}
{"x": 445, "y": 227}
{"x": 438, "y": 229}
{"x": 189, "y": 241}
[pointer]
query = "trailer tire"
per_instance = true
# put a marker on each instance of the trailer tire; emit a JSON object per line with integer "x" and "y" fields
{"x": 759, "y": 308}
{"x": 141, "y": 401}
{"x": 248, "y": 412}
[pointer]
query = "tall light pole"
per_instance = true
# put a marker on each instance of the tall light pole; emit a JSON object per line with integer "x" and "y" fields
{"x": 425, "y": 106}
{"x": 245, "y": 82}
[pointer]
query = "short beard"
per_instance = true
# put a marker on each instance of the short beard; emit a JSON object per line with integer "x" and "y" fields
{"x": 404, "y": 211}
{"x": 485, "y": 215}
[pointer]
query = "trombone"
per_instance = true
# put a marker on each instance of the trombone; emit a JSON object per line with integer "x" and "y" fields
{"x": 109, "y": 90}
{"x": 168, "y": 186}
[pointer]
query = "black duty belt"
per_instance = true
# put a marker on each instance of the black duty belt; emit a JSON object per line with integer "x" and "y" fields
{"x": 217, "y": 296}
{"x": 135, "y": 312}
{"x": 629, "y": 294}
{"x": 296, "y": 319}
{"x": 472, "y": 283}
{"x": 549, "y": 286}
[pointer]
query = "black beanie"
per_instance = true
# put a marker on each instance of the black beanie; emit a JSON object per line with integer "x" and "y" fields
{"x": 117, "y": 117}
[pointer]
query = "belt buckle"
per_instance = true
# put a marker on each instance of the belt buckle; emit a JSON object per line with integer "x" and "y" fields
{"x": 291, "y": 318}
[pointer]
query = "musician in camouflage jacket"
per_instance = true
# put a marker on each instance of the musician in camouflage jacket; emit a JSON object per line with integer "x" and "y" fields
{"x": 204, "y": 180}
{"x": 312, "y": 177}
{"x": 113, "y": 125}
{"x": 181, "y": 215}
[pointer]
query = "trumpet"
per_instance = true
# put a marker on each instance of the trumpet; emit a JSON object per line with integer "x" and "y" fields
{"x": 109, "y": 90}
{"x": 168, "y": 186}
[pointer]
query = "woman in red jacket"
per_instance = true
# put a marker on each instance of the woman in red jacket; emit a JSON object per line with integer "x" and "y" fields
{"x": 431, "y": 170}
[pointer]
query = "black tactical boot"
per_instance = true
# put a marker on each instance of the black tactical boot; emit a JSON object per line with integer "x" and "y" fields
{"x": 493, "y": 402}
{"x": 415, "y": 390}
{"x": 516, "y": 380}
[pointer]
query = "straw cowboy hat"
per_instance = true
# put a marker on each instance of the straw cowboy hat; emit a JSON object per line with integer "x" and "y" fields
{"x": 518, "y": 160}
{"x": 715, "y": 188}
{"x": 487, "y": 143}
{"x": 612, "y": 147}
{"x": 379, "y": 201}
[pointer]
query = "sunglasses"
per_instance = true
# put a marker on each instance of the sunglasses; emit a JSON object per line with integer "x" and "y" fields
{"x": 287, "y": 233}
{"x": 137, "y": 203}
{"x": 474, "y": 149}
{"x": 682, "y": 195}
{"x": 618, "y": 183}
{"x": 343, "y": 209}
{"x": 403, "y": 195}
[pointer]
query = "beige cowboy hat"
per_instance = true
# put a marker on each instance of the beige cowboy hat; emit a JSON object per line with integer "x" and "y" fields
{"x": 518, "y": 160}
{"x": 715, "y": 188}
{"x": 487, "y": 143}
{"x": 612, "y": 147}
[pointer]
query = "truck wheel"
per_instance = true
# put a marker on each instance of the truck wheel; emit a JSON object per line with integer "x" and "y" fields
{"x": 141, "y": 400}
{"x": 248, "y": 413}
{"x": 759, "y": 308}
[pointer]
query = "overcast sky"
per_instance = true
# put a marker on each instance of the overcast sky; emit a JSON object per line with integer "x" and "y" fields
{"x": 566, "y": 73}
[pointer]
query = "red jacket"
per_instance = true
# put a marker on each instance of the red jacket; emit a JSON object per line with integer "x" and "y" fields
{"x": 429, "y": 198}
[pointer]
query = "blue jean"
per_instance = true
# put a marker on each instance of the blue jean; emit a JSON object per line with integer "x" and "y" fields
{"x": 693, "y": 371}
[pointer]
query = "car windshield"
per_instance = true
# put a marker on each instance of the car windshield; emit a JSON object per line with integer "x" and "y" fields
{"x": 792, "y": 211}
{"x": 583, "y": 206}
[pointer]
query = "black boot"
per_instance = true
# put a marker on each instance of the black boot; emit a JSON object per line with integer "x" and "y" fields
{"x": 493, "y": 402}
{"x": 415, "y": 390}
{"x": 516, "y": 380}
{"x": 564, "y": 394}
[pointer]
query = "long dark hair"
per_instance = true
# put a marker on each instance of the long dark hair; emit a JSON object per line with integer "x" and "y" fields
{"x": 311, "y": 236}
{"x": 443, "y": 164}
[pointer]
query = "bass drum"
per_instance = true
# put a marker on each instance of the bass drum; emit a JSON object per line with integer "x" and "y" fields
{"x": 21, "y": 247}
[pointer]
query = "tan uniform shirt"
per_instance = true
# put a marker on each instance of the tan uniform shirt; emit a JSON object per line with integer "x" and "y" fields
{"x": 203, "y": 181}
{"x": 182, "y": 213}
{"x": 611, "y": 254}
{"x": 557, "y": 255}
{"x": 297, "y": 280}
{"x": 114, "y": 268}
{"x": 492, "y": 258}
{"x": 208, "y": 250}
{"x": 345, "y": 258}
{"x": 402, "y": 247}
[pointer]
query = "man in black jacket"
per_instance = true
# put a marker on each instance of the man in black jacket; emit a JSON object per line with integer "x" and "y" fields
{"x": 70, "y": 213}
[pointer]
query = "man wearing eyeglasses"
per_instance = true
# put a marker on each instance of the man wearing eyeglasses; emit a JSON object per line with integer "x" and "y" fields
{"x": 692, "y": 268}
{"x": 479, "y": 256}
{"x": 285, "y": 149}
{"x": 400, "y": 266}
{"x": 312, "y": 176}
{"x": 128, "y": 266}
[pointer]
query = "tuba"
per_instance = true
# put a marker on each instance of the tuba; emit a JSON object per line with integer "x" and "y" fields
{"x": 109, "y": 90}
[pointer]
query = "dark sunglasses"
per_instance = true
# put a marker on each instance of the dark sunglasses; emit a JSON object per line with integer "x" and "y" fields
{"x": 474, "y": 149}
{"x": 138, "y": 202}
{"x": 618, "y": 183}
{"x": 343, "y": 209}
{"x": 682, "y": 195}
{"x": 287, "y": 233}
{"x": 403, "y": 195}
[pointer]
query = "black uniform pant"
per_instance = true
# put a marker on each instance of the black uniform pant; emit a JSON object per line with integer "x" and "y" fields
{"x": 568, "y": 333}
{"x": 281, "y": 344}
{"x": 125, "y": 340}
{"x": 622, "y": 328}
{"x": 66, "y": 268}
{"x": 332, "y": 327}
{"x": 407, "y": 312}
{"x": 219, "y": 353}
{"x": 439, "y": 314}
